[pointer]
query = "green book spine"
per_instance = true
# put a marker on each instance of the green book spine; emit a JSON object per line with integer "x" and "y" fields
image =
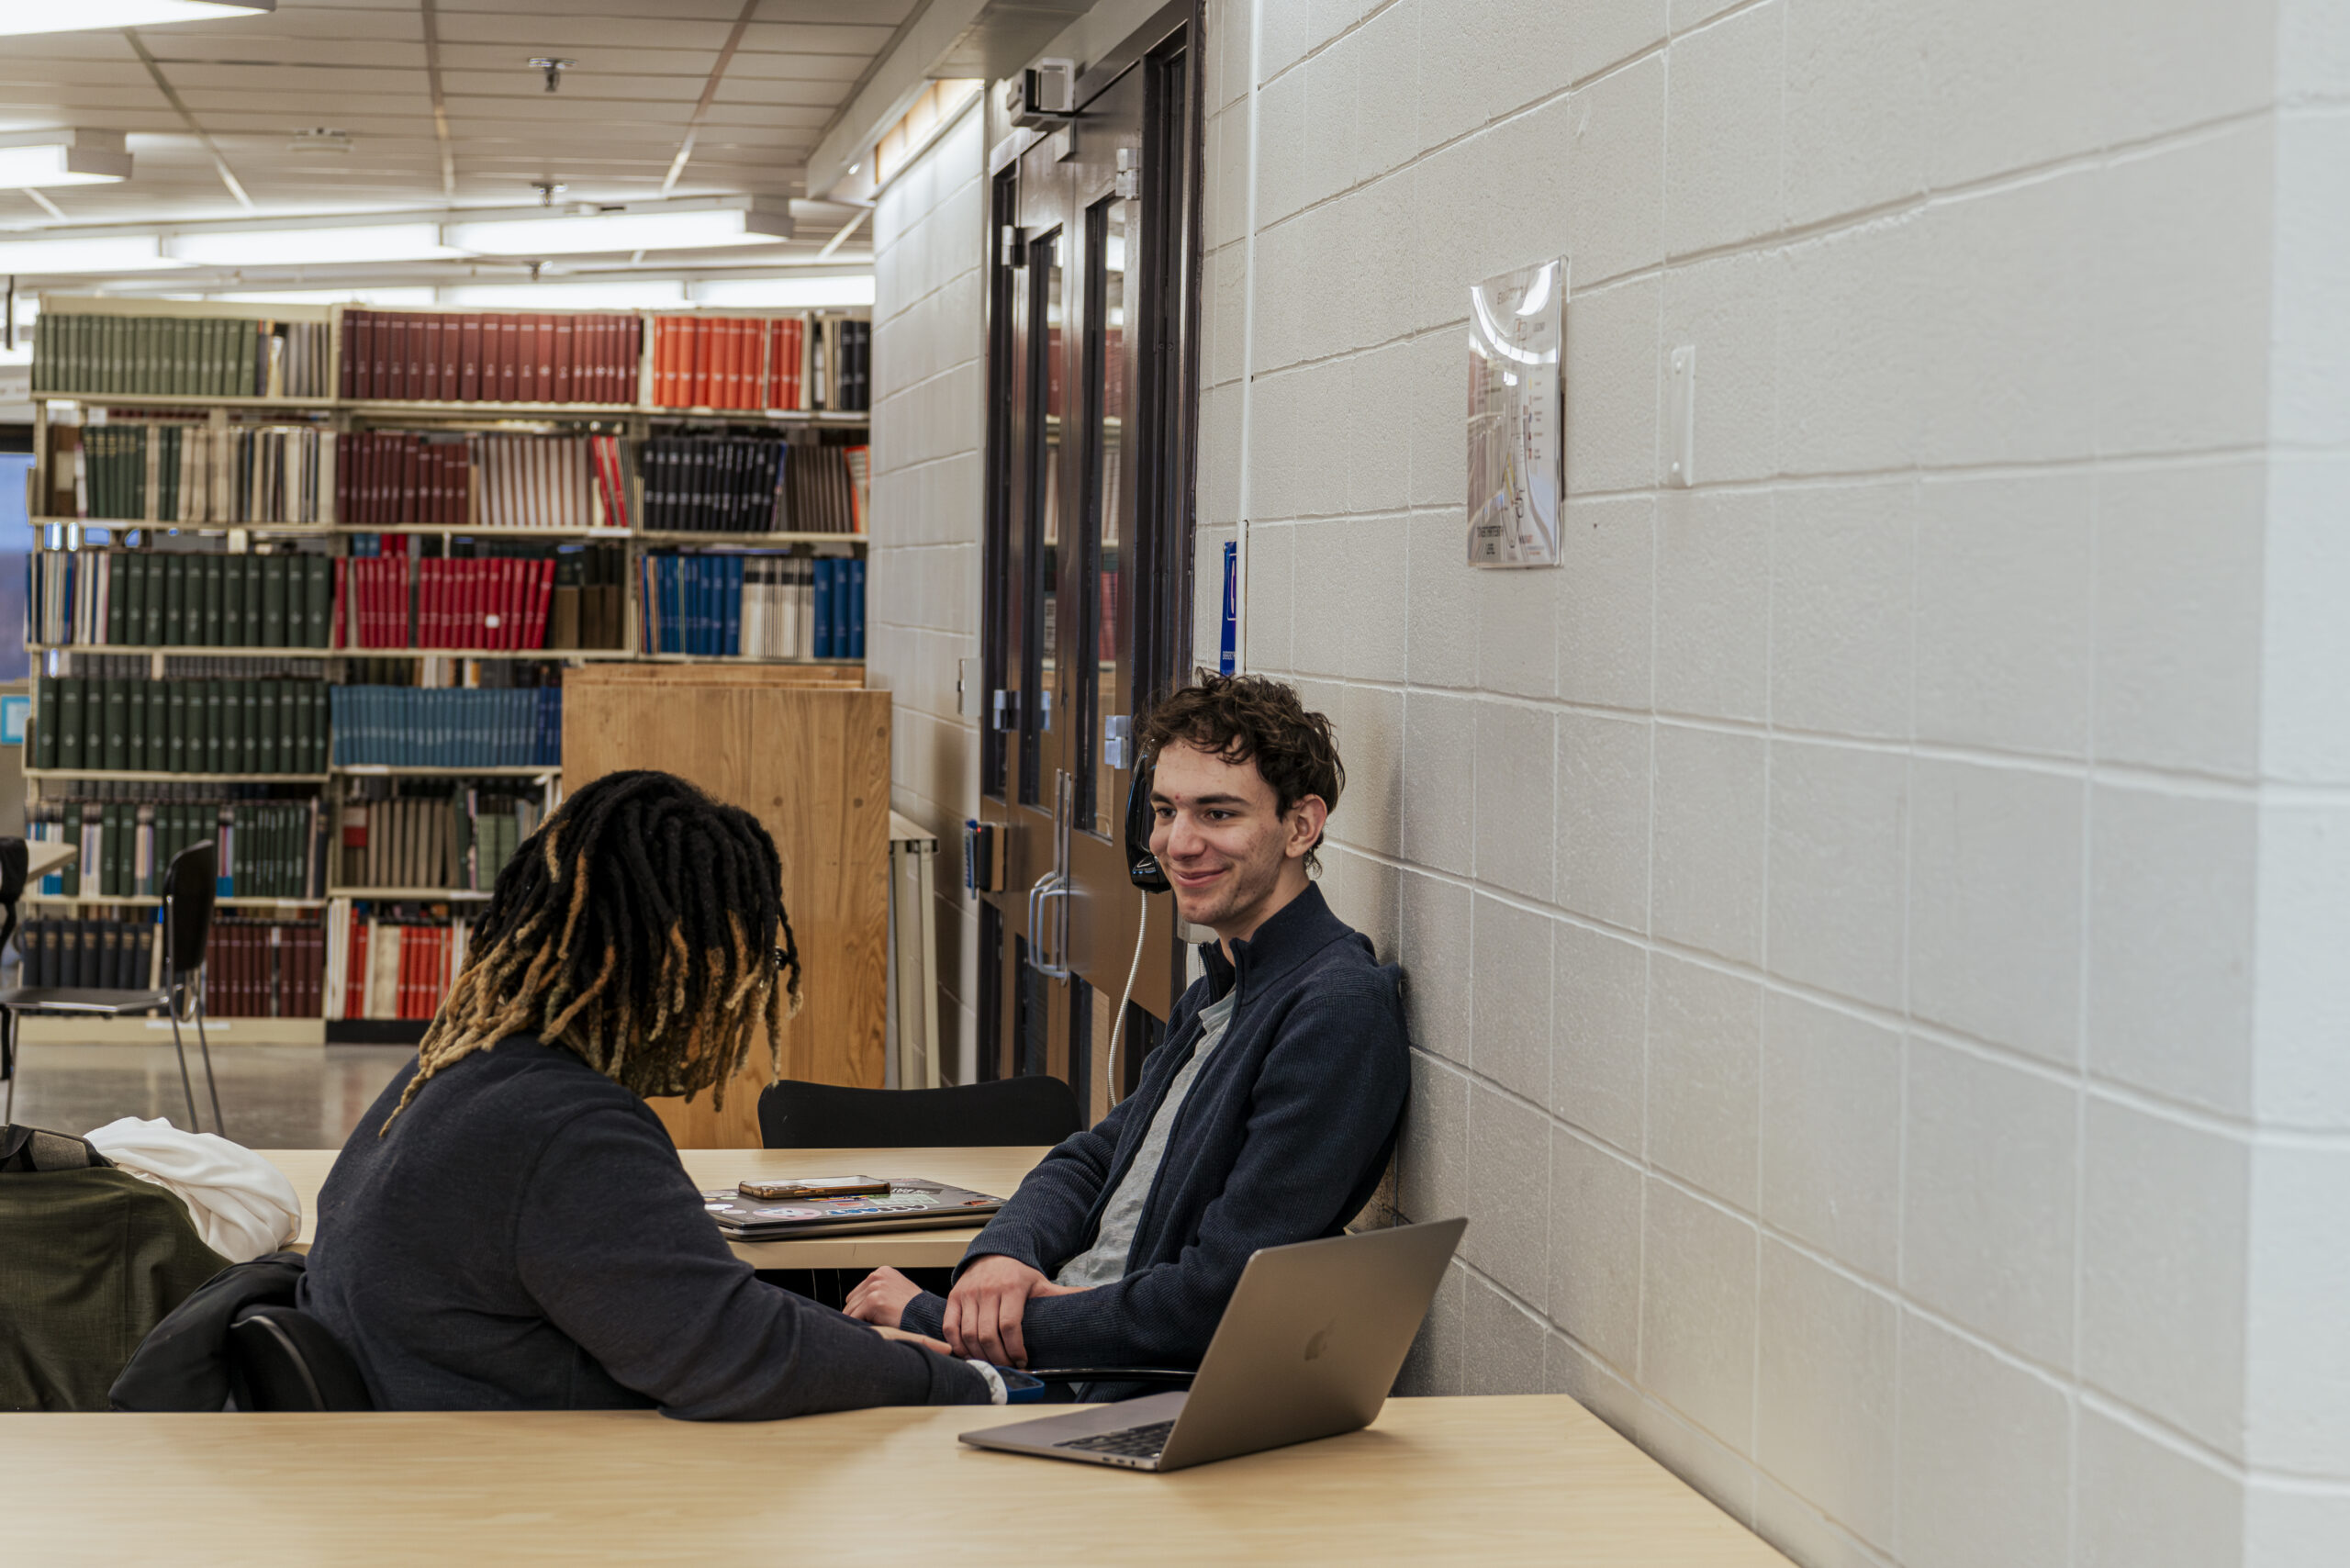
{"x": 118, "y": 597}
{"x": 318, "y": 582}
{"x": 175, "y": 727}
{"x": 130, "y": 589}
{"x": 249, "y": 727}
{"x": 272, "y": 601}
{"x": 152, "y": 575}
{"x": 208, "y": 729}
{"x": 233, "y": 575}
{"x": 314, "y": 726}
{"x": 231, "y": 727}
{"x": 69, "y": 720}
{"x": 118, "y": 719}
{"x": 134, "y": 726}
{"x": 251, "y": 632}
{"x": 175, "y": 627}
{"x": 271, "y": 752}
{"x": 45, "y": 721}
{"x": 214, "y": 570}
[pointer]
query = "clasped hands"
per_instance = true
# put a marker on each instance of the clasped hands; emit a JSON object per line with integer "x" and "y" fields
{"x": 983, "y": 1311}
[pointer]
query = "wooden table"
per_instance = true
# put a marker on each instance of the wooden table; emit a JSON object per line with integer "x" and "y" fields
{"x": 1535, "y": 1479}
{"x": 43, "y": 858}
{"x": 994, "y": 1171}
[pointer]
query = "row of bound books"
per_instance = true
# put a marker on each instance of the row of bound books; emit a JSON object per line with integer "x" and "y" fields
{"x": 180, "y": 356}
{"x": 137, "y": 471}
{"x": 269, "y": 849}
{"x": 265, "y": 968}
{"x": 150, "y": 599}
{"x": 489, "y": 357}
{"x": 102, "y": 724}
{"x": 390, "y": 969}
{"x": 95, "y": 954}
{"x": 766, "y": 606}
{"x": 408, "y": 726}
{"x": 782, "y": 362}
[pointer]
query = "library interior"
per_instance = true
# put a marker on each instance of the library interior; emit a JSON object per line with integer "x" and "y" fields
{"x": 1553, "y": 782}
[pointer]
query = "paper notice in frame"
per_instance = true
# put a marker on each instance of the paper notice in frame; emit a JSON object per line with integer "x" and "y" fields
{"x": 1516, "y": 416}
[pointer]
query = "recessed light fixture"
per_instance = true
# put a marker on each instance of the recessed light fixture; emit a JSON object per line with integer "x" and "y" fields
{"x": 310, "y": 246}
{"x": 19, "y": 17}
{"x": 32, "y": 159}
{"x": 648, "y": 226}
{"x": 785, "y": 293}
{"x": 112, "y": 253}
{"x": 317, "y": 139}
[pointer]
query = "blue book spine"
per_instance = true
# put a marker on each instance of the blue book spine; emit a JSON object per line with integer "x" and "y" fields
{"x": 697, "y": 574}
{"x": 856, "y": 607}
{"x": 733, "y": 601}
{"x": 673, "y": 603}
{"x": 823, "y": 608}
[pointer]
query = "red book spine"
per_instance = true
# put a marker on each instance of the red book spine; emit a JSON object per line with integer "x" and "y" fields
{"x": 538, "y": 637}
{"x": 347, "y": 367}
{"x": 379, "y": 354}
{"x": 428, "y": 357}
{"x": 469, "y": 358}
{"x": 546, "y": 329}
{"x": 452, "y": 355}
{"x": 526, "y": 358}
{"x": 499, "y": 584}
{"x": 427, "y": 603}
{"x": 509, "y": 339}
{"x": 665, "y": 362}
{"x": 524, "y": 593}
{"x": 564, "y": 340}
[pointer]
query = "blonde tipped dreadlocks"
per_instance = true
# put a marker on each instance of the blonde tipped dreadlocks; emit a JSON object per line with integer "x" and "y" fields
{"x": 643, "y": 928}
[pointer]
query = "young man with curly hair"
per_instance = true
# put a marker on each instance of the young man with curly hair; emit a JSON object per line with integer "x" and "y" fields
{"x": 1266, "y": 1117}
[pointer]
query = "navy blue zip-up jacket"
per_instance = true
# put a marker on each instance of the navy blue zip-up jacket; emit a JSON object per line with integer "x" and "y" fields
{"x": 1283, "y": 1137}
{"x": 524, "y": 1237}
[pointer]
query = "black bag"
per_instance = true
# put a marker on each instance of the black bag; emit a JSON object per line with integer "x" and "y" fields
{"x": 183, "y": 1365}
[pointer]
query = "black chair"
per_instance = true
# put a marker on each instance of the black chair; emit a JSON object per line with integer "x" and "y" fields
{"x": 188, "y": 889}
{"x": 283, "y": 1359}
{"x": 1035, "y": 1110}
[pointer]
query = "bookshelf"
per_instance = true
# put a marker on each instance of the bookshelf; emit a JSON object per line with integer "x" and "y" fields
{"x": 650, "y": 508}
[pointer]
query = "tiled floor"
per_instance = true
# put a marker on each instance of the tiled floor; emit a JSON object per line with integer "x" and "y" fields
{"x": 273, "y": 1096}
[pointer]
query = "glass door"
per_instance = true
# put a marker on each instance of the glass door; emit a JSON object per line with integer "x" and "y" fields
{"x": 1087, "y": 595}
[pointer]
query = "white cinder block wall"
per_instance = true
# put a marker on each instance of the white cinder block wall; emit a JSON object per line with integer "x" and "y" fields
{"x": 1879, "y": 922}
{"x": 922, "y": 583}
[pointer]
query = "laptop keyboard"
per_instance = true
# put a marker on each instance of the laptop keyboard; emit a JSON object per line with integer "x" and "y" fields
{"x": 1128, "y": 1442}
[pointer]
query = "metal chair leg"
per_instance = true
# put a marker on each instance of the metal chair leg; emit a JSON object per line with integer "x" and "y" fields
{"x": 187, "y": 1085}
{"x": 8, "y": 1062}
{"x": 211, "y": 1084}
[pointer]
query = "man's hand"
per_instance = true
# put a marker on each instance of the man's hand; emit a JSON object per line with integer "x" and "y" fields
{"x": 924, "y": 1340}
{"x": 880, "y": 1298}
{"x": 984, "y": 1309}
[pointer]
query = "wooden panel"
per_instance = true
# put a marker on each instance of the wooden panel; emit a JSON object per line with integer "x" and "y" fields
{"x": 850, "y": 676}
{"x": 1534, "y": 1478}
{"x": 813, "y": 763}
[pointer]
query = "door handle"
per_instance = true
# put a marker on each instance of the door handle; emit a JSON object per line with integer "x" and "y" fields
{"x": 1050, "y": 886}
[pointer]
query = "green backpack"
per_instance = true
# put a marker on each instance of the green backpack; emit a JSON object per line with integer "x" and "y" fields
{"x": 91, "y": 1257}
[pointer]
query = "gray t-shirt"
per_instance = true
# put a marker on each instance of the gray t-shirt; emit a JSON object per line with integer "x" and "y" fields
{"x": 1106, "y": 1260}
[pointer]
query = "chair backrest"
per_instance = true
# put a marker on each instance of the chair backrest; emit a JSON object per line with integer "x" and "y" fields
{"x": 281, "y": 1357}
{"x": 16, "y": 860}
{"x": 188, "y": 889}
{"x": 1034, "y": 1110}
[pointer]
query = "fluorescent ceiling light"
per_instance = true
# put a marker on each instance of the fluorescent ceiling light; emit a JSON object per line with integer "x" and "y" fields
{"x": 301, "y": 247}
{"x": 628, "y": 295}
{"x": 89, "y": 16}
{"x": 119, "y": 253}
{"x": 693, "y": 229}
{"x": 31, "y": 159}
{"x": 418, "y": 294}
{"x": 785, "y": 293}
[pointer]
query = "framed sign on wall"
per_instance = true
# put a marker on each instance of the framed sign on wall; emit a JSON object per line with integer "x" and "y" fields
{"x": 1516, "y": 416}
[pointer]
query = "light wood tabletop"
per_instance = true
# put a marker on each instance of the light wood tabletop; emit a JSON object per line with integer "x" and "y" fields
{"x": 996, "y": 1172}
{"x": 1485, "y": 1480}
{"x": 41, "y": 859}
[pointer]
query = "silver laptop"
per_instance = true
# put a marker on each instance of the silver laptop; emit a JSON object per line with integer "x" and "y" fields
{"x": 1308, "y": 1348}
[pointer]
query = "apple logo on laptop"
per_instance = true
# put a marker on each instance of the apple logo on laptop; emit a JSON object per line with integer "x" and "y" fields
{"x": 1320, "y": 1342}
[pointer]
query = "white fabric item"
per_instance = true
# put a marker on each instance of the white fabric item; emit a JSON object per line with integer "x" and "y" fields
{"x": 996, "y": 1394}
{"x": 242, "y": 1205}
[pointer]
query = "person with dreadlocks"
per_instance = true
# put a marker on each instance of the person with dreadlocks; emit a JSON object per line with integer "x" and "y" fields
{"x": 510, "y": 1226}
